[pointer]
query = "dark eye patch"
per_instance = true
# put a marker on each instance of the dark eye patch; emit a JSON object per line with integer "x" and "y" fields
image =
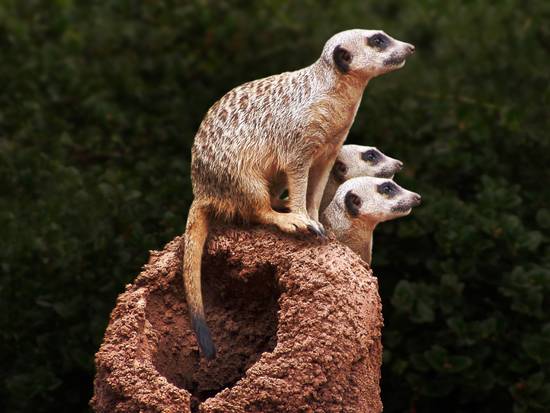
{"x": 353, "y": 203}
{"x": 388, "y": 189}
{"x": 372, "y": 156}
{"x": 379, "y": 41}
{"x": 342, "y": 58}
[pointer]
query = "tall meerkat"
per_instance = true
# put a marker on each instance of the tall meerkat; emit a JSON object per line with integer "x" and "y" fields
{"x": 360, "y": 204}
{"x": 351, "y": 162}
{"x": 292, "y": 123}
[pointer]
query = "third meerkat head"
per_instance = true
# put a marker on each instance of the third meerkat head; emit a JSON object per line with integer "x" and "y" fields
{"x": 372, "y": 200}
{"x": 357, "y": 160}
{"x": 365, "y": 53}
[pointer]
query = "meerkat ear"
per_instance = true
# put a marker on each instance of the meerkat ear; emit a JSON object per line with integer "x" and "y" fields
{"x": 342, "y": 58}
{"x": 353, "y": 203}
{"x": 339, "y": 171}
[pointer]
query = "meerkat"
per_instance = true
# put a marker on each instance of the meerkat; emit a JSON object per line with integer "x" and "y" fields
{"x": 292, "y": 123}
{"x": 352, "y": 161}
{"x": 360, "y": 204}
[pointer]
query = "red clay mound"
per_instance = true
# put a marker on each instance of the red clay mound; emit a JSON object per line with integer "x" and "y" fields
{"x": 296, "y": 323}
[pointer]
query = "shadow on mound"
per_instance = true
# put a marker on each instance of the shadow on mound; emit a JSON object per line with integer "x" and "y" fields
{"x": 242, "y": 314}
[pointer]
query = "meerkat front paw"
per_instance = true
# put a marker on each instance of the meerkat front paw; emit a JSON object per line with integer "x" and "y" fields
{"x": 294, "y": 222}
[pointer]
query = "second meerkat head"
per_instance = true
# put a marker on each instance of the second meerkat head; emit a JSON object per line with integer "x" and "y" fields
{"x": 357, "y": 160}
{"x": 372, "y": 200}
{"x": 365, "y": 53}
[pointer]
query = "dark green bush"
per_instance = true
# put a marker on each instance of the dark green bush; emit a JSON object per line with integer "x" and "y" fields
{"x": 99, "y": 104}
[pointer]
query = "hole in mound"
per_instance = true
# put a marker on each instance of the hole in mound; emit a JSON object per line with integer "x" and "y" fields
{"x": 241, "y": 311}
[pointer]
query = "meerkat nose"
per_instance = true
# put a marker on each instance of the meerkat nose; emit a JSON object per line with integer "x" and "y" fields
{"x": 416, "y": 199}
{"x": 399, "y": 165}
{"x": 411, "y": 48}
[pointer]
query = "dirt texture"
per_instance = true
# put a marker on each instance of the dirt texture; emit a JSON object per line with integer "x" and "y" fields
{"x": 297, "y": 325}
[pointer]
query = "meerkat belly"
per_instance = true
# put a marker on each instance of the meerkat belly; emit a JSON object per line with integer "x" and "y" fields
{"x": 229, "y": 159}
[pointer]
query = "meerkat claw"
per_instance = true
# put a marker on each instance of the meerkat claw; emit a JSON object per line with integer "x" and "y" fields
{"x": 323, "y": 231}
{"x": 320, "y": 232}
{"x": 313, "y": 230}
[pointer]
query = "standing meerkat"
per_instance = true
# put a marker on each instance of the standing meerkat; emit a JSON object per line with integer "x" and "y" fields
{"x": 352, "y": 161}
{"x": 360, "y": 204}
{"x": 292, "y": 123}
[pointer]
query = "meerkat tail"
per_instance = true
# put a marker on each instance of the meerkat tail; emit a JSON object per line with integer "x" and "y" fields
{"x": 195, "y": 238}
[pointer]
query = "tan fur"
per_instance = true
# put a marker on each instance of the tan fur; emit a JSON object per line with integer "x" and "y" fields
{"x": 291, "y": 124}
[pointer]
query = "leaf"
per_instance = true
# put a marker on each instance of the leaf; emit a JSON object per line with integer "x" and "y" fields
{"x": 543, "y": 218}
{"x": 403, "y": 296}
{"x": 423, "y": 312}
{"x": 538, "y": 348}
{"x": 456, "y": 364}
{"x": 436, "y": 357}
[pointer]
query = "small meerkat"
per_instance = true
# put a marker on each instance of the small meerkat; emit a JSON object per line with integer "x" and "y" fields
{"x": 352, "y": 161}
{"x": 294, "y": 124}
{"x": 360, "y": 204}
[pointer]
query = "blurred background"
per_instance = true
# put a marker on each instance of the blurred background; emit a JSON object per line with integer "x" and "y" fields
{"x": 99, "y": 104}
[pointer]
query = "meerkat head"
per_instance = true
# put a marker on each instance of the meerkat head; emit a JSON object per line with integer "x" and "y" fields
{"x": 357, "y": 160}
{"x": 365, "y": 53}
{"x": 371, "y": 200}
{"x": 360, "y": 204}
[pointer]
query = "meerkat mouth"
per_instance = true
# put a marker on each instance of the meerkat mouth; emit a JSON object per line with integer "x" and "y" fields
{"x": 385, "y": 174}
{"x": 402, "y": 208}
{"x": 395, "y": 60}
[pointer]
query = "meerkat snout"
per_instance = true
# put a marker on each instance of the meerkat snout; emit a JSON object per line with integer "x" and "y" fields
{"x": 378, "y": 164}
{"x": 360, "y": 204}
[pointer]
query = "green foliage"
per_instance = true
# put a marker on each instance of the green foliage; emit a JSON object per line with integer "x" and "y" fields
{"x": 99, "y": 105}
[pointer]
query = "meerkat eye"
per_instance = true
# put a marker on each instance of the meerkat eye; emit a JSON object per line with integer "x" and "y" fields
{"x": 370, "y": 156}
{"x": 379, "y": 41}
{"x": 387, "y": 188}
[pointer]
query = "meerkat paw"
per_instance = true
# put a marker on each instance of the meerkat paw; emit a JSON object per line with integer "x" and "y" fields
{"x": 293, "y": 222}
{"x": 318, "y": 230}
{"x": 322, "y": 227}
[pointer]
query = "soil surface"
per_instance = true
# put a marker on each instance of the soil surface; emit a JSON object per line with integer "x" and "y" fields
{"x": 296, "y": 322}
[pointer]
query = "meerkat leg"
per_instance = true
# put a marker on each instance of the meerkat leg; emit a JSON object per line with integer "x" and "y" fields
{"x": 297, "y": 189}
{"x": 317, "y": 181}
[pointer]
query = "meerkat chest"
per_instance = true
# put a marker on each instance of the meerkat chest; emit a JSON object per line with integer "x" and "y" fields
{"x": 330, "y": 122}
